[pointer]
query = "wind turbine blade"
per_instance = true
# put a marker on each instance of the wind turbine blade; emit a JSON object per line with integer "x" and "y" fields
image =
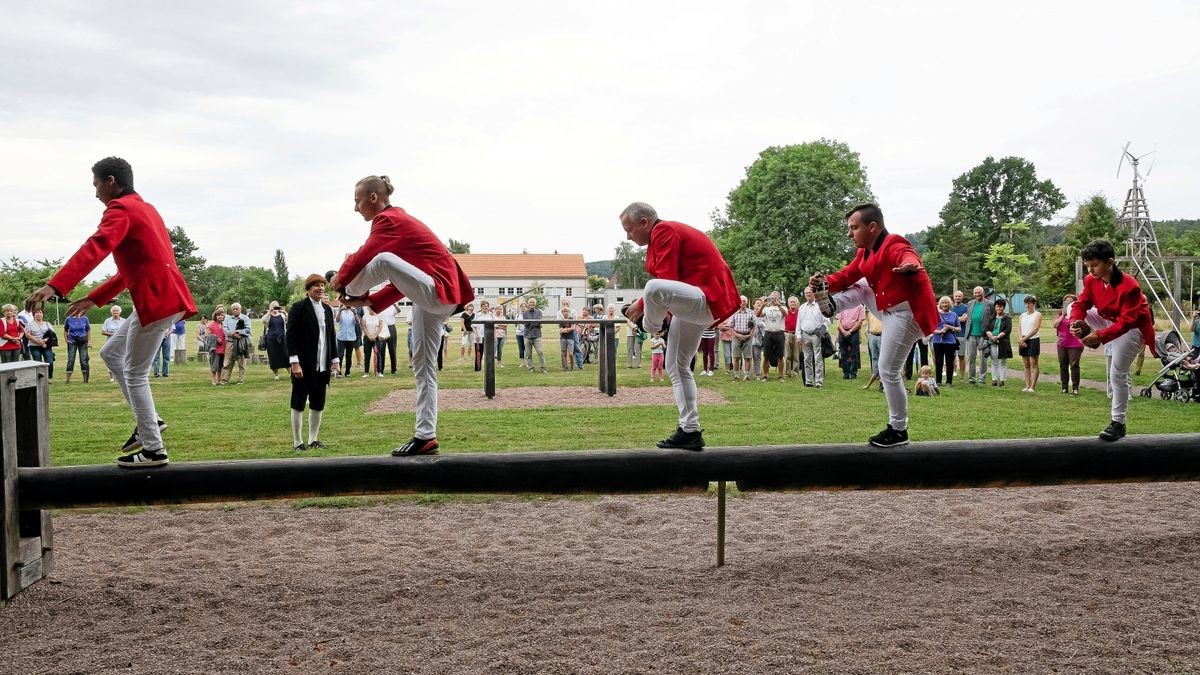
{"x": 1151, "y": 165}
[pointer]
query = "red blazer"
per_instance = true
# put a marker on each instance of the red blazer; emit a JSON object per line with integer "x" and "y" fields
{"x": 133, "y": 232}
{"x": 1121, "y": 302}
{"x": 13, "y": 329}
{"x": 394, "y": 231}
{"x": 680, "y": 252}
{"x": 875, "y": 265}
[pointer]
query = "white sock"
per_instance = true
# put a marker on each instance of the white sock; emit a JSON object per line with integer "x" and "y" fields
{"x": 314, "y": 424}
{"x": 297, "y": 416}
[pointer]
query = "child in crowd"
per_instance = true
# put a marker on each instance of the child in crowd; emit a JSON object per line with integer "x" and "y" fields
{"x": 926, "y": 384}
{"x": 1000, "y": 337}
{"x": 658, "y": 350}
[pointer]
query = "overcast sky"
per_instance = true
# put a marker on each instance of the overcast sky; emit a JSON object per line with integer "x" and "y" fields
{"x": 529, "y": 125}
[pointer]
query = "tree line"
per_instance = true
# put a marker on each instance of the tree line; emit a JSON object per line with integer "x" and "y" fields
{"x": 785, "y": 220}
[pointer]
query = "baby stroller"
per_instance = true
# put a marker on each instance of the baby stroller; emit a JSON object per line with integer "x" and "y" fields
{"x": 1178, "y": 379}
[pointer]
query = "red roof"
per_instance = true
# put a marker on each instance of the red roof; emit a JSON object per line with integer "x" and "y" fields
{"x": 522, "y": 265}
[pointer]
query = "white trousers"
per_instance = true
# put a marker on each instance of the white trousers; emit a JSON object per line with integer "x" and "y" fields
{"x": 128, "y": 355}
{"x": 689, "y": 317}
{"x": 900, "y": 333}
{"x": 429, "y": 314}
{"x": 1124, "y": 350}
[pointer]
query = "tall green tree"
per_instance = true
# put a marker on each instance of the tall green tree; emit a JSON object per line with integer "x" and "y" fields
{"x": 457, "y": 246}
{"x": 629, "y": 265}
{"x": 282, "y": 288}
{"x": 786, "y": 219}
{"x": 951, "y": 255}
{"x": 191, "y": 265}
{"x": 1094, "y": 219}
{"x": 1007, "y": 266}
{"x": 998, "y": 192}
{"x": 596, "y": 282}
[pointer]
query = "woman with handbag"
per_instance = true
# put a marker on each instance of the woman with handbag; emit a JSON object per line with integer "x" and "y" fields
{"x": 42, "y": 341}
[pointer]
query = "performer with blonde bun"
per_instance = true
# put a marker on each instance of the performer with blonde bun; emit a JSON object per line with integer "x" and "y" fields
{"x": 403, "y": 253}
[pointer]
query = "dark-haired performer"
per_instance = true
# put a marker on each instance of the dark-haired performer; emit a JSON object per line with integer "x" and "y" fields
{"x": 1111, "y": 309}
{"x": 404, "y": 253}
{"x": 312, "y": 356}
{"x": 888, "y": 277}
{"x": 133, "y": 232}
{"x": 692, "y": 283}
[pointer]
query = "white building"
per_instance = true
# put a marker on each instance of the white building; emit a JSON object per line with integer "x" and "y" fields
{"x": 504, "y": 276}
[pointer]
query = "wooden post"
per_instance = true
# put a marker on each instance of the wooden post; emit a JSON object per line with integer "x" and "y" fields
{"x": 602, "y": 358}
{"x": 720, "y": 523}
{"x": 27, "y": 554}
{"x": 489, "y": 359}
{"x": 610, "y": 363}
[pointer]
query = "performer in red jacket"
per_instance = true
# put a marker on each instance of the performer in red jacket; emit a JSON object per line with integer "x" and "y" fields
{"x": 690, "y": 282}
{"x": 1112, "y": 309}
{"x": 406, "y": 255}
{"x": 888, "y": 277}
{"x": 133, "y": 232}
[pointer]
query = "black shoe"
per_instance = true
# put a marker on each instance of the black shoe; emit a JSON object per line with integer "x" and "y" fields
{"x": 684, "y": 440}
{"x": 300, "y": 447}
{"x": 317, "y": 445}
{"x": 417, "y": 446}
{"x": 144, "y": 459}
{"x": 135, "y": 443}
{"x": 889, "y": 438}
{"x": 824, "y": 300}
{"x": 1114, "y": 431}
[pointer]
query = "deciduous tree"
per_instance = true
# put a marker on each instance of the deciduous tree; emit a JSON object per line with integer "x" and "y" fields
{"x": 786, "y": 219}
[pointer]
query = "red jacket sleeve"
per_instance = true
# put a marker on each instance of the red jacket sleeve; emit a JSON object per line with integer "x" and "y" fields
{"x": 107, "y": 291}
{"x": 848, "y": 275}
{"x": 1127, "y": 319}
{"x": 385, "y": 297}
{"x": 114, "y": 225}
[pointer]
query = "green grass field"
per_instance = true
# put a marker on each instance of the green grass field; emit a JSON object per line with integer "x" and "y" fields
{"x": 90, "y": 422}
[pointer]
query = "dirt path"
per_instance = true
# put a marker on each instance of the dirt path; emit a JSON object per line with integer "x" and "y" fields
{"x": 1081, "y": 579}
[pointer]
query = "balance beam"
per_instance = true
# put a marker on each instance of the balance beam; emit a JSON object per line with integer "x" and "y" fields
{"x": 919, "y": 466}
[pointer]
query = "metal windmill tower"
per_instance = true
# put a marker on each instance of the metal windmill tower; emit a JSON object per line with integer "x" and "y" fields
{"x": 1142, "y": 244}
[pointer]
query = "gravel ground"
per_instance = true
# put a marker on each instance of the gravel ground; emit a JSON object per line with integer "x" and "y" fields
{"x": 1061, "y": 579}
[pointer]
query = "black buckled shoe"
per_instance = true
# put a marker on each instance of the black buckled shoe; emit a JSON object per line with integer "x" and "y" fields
{"x": 317, "y": 445}
{"x": 889, "y": 438}
{"x": 1113, "y": 431}
{"x": 684, "y": 440}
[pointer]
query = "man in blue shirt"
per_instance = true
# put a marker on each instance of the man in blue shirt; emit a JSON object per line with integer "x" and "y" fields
{"x": 79, "y": 335}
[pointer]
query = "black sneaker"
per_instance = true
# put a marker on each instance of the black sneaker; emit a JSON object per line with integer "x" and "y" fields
{"x": 300, "y": 447}
{"x": 684, "y": 440}
{"x": 417, "y": 446}
{"x": 144, "y": 459}
{"x": 134, "y": 443}
{"x": 317, "y": 445}
{"x": 824, "y": 300}
{"x": 889, "y": 438}
{"x": 1114, "y": 431}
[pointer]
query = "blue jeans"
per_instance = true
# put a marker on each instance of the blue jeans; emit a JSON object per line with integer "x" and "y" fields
{"x": 45, "y": 355}
{"x": 578, "y": 351}
{"x": 82, "y": 351}
{"x": 164, "y": 351}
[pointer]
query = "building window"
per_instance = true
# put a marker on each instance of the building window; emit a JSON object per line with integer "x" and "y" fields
{"x": 520, "y": 291}
{"x": 479, "y": 291}
{"x": 568, "y": 293}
